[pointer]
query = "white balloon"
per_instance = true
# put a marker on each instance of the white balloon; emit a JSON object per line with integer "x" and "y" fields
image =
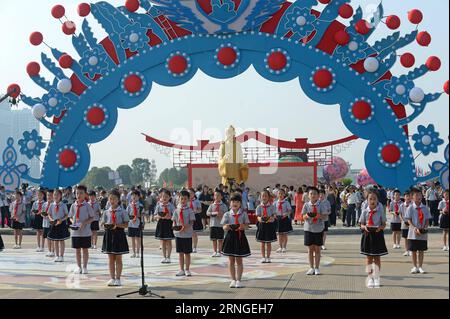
{"x": 64, "y": 86}
{"x": 39, "y": 111}
{"x": 417, "y": 95}
{"x": 371, "y": 64}
{"x": 31, "y": 145}
{"x": 301, "y": 21}
{"x": 426, "y": 140}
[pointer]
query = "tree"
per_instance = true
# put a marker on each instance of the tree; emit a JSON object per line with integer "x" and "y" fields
{"x": 141, "y": 171}
{"x": 125, "y": 172}
{"x": 178, "y": 177}
{"x": 98, "y": 177}
{"x": 347, "y": 182}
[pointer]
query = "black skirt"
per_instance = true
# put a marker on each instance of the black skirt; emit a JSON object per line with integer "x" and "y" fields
{"x": 236, "y": 244}
{"x": 37, "y": 222}
{"x": 115, "y": 242}
{"x": 164, "y": 230}
{"x": 46, "y": 231}
{"x": 95, "y": 226}
{"x": 373, "y": 244}
{"x": 216, "y": 233}
{"x": 183, "y": 245}
{"x": 315, "y": 239}
{"x": 134, "y": 232}
{"x": 443, "y": 223}
{"x": 59, "y": 233}
{"x": 284, "y": 226}
{"x": 17, "y": 226}
{"x": 81, "y": 242}
{"x": 198, "y": 224}
{"x": 396, "y": 226}
{"x": 417, "y": 245}
{"x": 405, "y": 233}
{"x": 266, "y": 232}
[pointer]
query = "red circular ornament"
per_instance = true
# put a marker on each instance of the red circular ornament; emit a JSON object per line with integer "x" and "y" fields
{"x": 342, "y": 37}
{"x": 362, "y": 27}
{"x": 69, "y": 27}
{"x": 84, "y": 9}
{"x": 178, "y": 64}
{"x": 391, "y": 154}
{"x": 393, "y": 22}
{"x": 407, "y": 60}
{"x": 446, "y": 87}
{"x": 277, "y": 61}
{"x": 433, "y": 63}
{"x": 346, "y": 11}
{"x": 96, "y": 116}
{"x": 58, "y": 11}
{"x": 66, "y": 61}
{"x": 13, "y": 90}
{"x": 67, "y": 158}
{"x": 415, "y": 16}
{"x": 424, "y": 38}
{"x": 325, "y": 1}
{"x": 323, "y": 79}
{"x": 133, "y": 83}
{"x": 227, "y": 56}
{"x": 33, "y": 69}
{"x": 362, "y": 110}
{"x": 36, "y": 38}
{"x": 132, "y": 5}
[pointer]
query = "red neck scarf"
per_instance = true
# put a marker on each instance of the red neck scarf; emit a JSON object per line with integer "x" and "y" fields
{"x": 77, "y": 219}
{"x": 166, "y": 208}
{"x": 135, "y": 212}
{"x": 57, "y": 208}
{"x": 265, "y": 212}
{"x": 396, "y": 207}
{"x": 39, "y": 207}
{"x": 113, "y": 217}
{"x": 421, "y": 215}
{"x": 182, "y": 216}
{"x": 16, "y": 209}
{"x": 92, "y": 204}
{"x": 48, "y": 207}
{"x": 280, "y": 206}
{"x": 236, "y": 222}
{"x": 192, "y": 204}
{"x": 315, "y": 211}
{"x": 218, "y": 207}
{"x": 371, "y": 222}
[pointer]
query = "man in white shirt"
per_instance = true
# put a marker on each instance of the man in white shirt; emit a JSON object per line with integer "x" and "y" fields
{"x": 351, "y": 211}
{"x": 432, "y": 197}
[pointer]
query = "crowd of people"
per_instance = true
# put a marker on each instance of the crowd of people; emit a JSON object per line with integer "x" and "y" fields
{"x": 181, "y": 215}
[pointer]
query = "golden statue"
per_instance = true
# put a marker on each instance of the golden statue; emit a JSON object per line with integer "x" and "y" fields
{"x": 232, "y": 167}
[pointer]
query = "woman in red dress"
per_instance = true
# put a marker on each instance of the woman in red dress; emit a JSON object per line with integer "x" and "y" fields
{"x": 298, "y": 206}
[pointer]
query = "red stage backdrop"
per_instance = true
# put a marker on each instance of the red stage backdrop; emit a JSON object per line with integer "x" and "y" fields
{"x": 261, "y": 175}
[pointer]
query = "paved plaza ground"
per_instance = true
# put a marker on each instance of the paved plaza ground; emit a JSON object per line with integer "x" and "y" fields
{"x": 27, "y": 274}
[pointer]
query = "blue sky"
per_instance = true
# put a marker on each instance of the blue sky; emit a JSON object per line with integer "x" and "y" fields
{"x": 204, "y": 107}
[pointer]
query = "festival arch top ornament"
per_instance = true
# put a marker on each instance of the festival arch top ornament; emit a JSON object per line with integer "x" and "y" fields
{"x": 168, "y": 41}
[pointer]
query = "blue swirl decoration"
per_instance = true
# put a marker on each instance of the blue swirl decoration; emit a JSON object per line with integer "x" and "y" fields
{"x": 427, "y": 140}
{"x": 224, "y": 44}
{"x": 10, "y": 172}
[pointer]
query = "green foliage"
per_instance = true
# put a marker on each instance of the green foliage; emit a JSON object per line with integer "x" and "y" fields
{"x": 178, "y": 177}
{"x": 347, "y": 181}
{"x": 98, "y": 177}
{"x": 141, "y": 171}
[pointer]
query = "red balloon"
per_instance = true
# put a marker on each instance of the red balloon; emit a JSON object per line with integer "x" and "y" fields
{"x": 362, "y": 27}
{"x": 342, "y": 37}
{"x": 66, "y": 61}
{"x": 446, "y": 88}
{"x": 36, "y": 38}
{"x": 415, "y": 16}
{"x": 84, "y": 9}
{"x": 33, "y": 69}
{"x": 13, "y": 90}
{"x": 424, "y": 38}
{"x": 408, "y": 60}
{"x": 393, "y": 22}
{"x": 325, "y": 1}
{"x": 69, "y": 27}
{"x": 346, "y": 11}
{"x": 132, "y": 5}
{"x": 433, "y": 63}
{"x": 58, "y": 11}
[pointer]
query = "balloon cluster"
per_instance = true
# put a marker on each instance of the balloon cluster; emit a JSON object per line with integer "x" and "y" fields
{"x": 336, "y": 170}
{"x": 363, "y": 178}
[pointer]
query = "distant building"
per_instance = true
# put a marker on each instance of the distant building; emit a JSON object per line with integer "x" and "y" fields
{"x": 13, "y": 122}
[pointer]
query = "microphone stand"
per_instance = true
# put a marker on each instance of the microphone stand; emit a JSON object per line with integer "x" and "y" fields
{"x": 144, "y": 291}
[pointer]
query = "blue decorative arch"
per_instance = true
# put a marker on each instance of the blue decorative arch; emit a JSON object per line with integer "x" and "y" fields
{"x": 167, "y": 42}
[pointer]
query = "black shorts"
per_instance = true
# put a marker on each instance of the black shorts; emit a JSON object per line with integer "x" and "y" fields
{"x": 184, "y": 245}
{"x": 81, "y": 242}
{"x": 313, "y": 239}
{"x": 405, "y": 233}
{"x": 216, "y": 233}
{"x": 134, "y": 232}
{"x": 46, "y": 231}
{"x": 95, "y": 226}
{"x": 396, "y": 226}
{"x": 17, "y": 226}
{"x": 417, "y": 245}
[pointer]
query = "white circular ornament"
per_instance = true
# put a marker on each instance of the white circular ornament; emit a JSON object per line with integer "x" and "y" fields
{"x": 353, "y": 46}
{"x": 93, "y": 60}
{"x": 64, "y": 86}
{"x": 31, "y": 145}
{"x": 39, "y": 111}
{"x": 400, "y": 89}
{"x": 371, "y": 64}
{"x": 416, "y": 95}
{"x": 426, "y": 140}
{"x": 134, "y": 37}
{"x": 301, "y": 21}
{"x": 52, "y": 102}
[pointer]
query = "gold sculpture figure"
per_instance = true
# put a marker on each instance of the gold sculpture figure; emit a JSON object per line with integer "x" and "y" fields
{"x": 232, "y": 167}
